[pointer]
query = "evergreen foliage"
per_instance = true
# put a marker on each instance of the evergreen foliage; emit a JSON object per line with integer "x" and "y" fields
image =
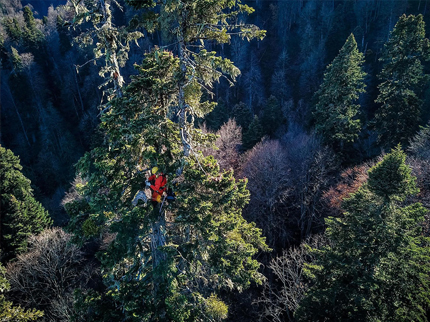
{"x": 243, "y": 115}
{"x": 167, "y": 262}
{"x": 391, "y": 178}
{"x": 21, "y": 214}
{"x": 33, "y": 37}
{"x": 112, "y": 42}
{"x": 253, "y": 135}
{"x": 375, "y": 267}
{"x": 336, "y": 112}
{"x": 156, "y": 265}
{"x": 272, "y": 117}
{"x": 218, "y": 116}
{"x": 9, "y": 312}
{"x": 403, "y": 77}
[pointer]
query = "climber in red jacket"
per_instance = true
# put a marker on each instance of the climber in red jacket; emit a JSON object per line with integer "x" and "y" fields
{"x": 157, "y": 183}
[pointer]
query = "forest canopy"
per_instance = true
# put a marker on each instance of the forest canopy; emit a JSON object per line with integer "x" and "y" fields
{"x": 202, "y": 160}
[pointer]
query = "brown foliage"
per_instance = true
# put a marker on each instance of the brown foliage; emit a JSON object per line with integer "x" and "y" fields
{"x": 350, "y": 180}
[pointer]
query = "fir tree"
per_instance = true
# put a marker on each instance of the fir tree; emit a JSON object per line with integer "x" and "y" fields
{"x": 375, "y": 267}
{"x": 168, "y": 262}
{"x": 21, "y": 214}
{"x": 243, "y": 115}
{"x": 253, "y": 135}
{"x": 156, "y": 265}
{"x": 336, "y": 112}
{"x": 218, "y": 116}
{"x": 31, "y": 35}
{"x": 402, "y": 76}
{"x": 272, "y": 117}
{"x": 13, "y": 29}
{"x": 112, "y": 42}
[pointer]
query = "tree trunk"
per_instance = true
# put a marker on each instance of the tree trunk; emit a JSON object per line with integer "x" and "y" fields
{"x": 19, "y": 115}
{"x": 74, "y": 71}
{"x": 181, "y": 97}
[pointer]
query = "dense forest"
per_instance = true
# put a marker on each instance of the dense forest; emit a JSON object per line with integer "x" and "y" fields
{"x": 209, "y": 160}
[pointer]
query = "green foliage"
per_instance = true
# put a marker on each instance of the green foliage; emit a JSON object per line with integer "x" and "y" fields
{"x": 92, "y": 306}
{"x": 161, "y": 265}
{"x": 272, "y": 117}
{"x": 375, "y": 266}
{"x": 29, "y": 18}
{"x": 13, "y": 29}
{"x": 391, "y": 178}
{"x": 335, "y": 113}
{"x": 32, "y": 36}
{"x": 89, "y": 228}
{"x": 9, "y": 312}
{"x": 243, "y": 115}
{"x": 253, "y": 135}
{"x": 206, "y": 19}
{"x": 218, "y": 116}
{"x": 111, "y": 42}
{"x": 216, "y": 308}
{"x": 402, "y": 76}
{"x": 21, "y": 214}
{"x": 16, "y": 60}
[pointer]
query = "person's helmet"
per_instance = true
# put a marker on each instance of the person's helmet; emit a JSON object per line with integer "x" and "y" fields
{"x": 154, "y": 170}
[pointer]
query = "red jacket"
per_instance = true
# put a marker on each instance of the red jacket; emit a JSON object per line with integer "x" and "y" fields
{"x": 157, "y": 185}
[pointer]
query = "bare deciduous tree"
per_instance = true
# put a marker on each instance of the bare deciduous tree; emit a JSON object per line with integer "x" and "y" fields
{"x": 282, "y": 294}
{"x": 421, "y": 170}
{"x": 228, "y": 142}
{"x": 311, "y": 167}
{"x": 266, "y": 167}
{"x": 46, "y": 276}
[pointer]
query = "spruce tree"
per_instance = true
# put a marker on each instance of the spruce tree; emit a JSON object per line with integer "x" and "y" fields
{"x": 112, "y": 42}
{"x": 243, "y": 115}
{"x": 168, "y": 262}
{"x": 376, "y": 265}
{"x": 32, "y": 36}
{"x": 336, "y": 111}
{"x": 21, "y": 214}
{"x": 253, "y": 135}
{"x": 272, "y": 117}
{"x": 398, "y": 118}
{"x": 218, "y": 116}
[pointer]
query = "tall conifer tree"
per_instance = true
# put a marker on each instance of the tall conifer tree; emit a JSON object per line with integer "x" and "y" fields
{"x": 112, "y": 41}
{"x": 253, "y": 135}
{"x": 398, "y": 118}
{"x": 336, "y": 111}
{"x": 168, "y": 262}
{"x": 376, "y": 265}
{"x": 21, "y": 214}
